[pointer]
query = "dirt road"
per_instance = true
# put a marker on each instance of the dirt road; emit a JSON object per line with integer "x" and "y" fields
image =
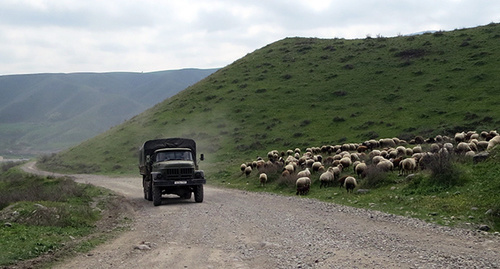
{"x": 237, "y": 229}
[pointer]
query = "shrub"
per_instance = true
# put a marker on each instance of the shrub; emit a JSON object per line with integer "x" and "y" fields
{"x": 375, "y": 177}
{"x": 443, "y": 170}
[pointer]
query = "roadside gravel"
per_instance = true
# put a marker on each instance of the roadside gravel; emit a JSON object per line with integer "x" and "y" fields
{"x": 238, "y": 229}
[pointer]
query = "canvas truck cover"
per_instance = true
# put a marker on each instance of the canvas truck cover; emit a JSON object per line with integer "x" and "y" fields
{"x": 150, "y": 146}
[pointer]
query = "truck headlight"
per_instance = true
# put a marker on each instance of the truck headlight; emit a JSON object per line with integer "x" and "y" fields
{"x": 199, "y": 174}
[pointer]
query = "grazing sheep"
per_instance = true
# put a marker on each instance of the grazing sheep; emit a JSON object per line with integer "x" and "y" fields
{"x": 290, "y": 168}
{"x": 350, "y": 183}
{"x": 470, "y": 154}
{"x": 482, "y": 145}
{"x": 354, "y": 164}
{"x": 434, "y": 148}
{"x": 385, "y": 165}
{"x": 243, "y": 167}
{"x": 337, "y": 170}
{"x": 341, "y": 181}
{"x": 374, "y": 153}
{"x": 377, "y": 159}
{"x": 346, "y": 162}
{"x": 304, "y": 173}
{"x": 387, "y": 143}
{"x": 417, "y": 149}
{"x": 263, "y": 179}
{"x": 460, "y": 137}
{"x": 361, "y": 169}
{"x": 248, "y": 170}
{"x": 303, "y": 184}
{"x": 285, "y": 173}
{"x": 448, "y": 146}
{"x": 419, "y": 140}
{"x": 493, "y": 142}
{"x": 401, "y": 150}
{"x": 463, "y": 147}
{"x": 362, "y": 149}
{"x": 316, "y": 166}
{"x": 408, "y": 165}
{"x": 327, "y": 178}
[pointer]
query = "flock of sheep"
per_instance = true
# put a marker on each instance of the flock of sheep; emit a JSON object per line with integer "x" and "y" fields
{"x": 341, "y": 164}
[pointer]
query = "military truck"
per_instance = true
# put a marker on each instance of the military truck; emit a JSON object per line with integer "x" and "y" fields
{"x": 169, "y": 166}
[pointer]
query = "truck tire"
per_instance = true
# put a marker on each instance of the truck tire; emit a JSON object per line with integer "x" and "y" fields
{"x": 198, "y": 194}
{"x": 156, "y": 196}
{"x": 148, "y": 190}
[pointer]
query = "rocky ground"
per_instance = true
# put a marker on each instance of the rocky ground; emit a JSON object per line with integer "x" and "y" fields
{"x": 237, "y": 229}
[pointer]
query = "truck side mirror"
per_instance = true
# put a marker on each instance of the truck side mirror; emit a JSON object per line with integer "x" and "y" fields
{"x": 202, "y": 157}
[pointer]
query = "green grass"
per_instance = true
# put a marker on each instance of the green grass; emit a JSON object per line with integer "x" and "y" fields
{"x": 309, "y": 92}
{"x": 44, "y": 215}
{"x": 468, "y": 201}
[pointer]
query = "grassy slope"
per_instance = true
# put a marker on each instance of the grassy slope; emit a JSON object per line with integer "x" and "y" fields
{"x": 303, "y": 92}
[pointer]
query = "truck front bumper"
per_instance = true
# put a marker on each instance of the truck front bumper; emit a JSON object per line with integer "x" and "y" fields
{"x": 166, "y": 182}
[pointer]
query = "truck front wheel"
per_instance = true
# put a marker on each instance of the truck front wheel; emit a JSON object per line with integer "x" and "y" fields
{"x": 156, "y": 196}
{"x": 198, "y": 194}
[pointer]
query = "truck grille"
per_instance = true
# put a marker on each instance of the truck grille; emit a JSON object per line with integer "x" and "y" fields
{"x": 179, "y": 172}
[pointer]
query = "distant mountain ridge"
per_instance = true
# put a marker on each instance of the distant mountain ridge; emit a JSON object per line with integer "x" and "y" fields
{"x": 49, "y": 112}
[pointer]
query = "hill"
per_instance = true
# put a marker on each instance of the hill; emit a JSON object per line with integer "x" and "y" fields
{"x": 303, "y": 92}
{"x": 50, "y": 112}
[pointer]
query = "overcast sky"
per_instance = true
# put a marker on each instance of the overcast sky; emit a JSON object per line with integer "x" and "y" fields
{"x": 51, "y": 36}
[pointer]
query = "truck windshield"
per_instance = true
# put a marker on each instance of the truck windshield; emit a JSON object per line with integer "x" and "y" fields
{"x": 173, "y": 155}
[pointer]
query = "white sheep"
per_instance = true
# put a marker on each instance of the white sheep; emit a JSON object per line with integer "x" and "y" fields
{"x": 460, "y": 137}
{"x": 350, "y": 183}
{"x": 377, "y": 159}
{"x": 387, "y": 143}
{"x": 303, "y": 184}
{"x": 448, "y": 146}
{"x": 417, "y": 149}
{"x": 336, "y": 170}
{"x": 482, "y": 145}
{"x": 248, "y": 170}
{"x": 327, "y": 178}
{"x": 408, "y": 165}
{"x": 304, "y": 173}
{"x": 316, "y": 166}
{"x": 290, "y": 168}
{"x": 243, "y": 167}
{"x": 263, "y": 179}
{"x": 463, "y": 147}
{"x": 346, "y": 161}
{"x": 493, "y": 142}
{"x": 385, "y": 165}
{"x": 361, "y": 169}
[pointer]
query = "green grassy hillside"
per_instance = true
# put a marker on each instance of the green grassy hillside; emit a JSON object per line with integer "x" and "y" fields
{"x": 306, "y": 92}
{"x": 302, "y": 92}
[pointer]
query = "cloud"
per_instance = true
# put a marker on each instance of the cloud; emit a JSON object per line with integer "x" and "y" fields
{"x": 148, "y": 35}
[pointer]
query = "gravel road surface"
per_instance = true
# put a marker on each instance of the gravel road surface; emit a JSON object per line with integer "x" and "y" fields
{"x": 238, "y": 229}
